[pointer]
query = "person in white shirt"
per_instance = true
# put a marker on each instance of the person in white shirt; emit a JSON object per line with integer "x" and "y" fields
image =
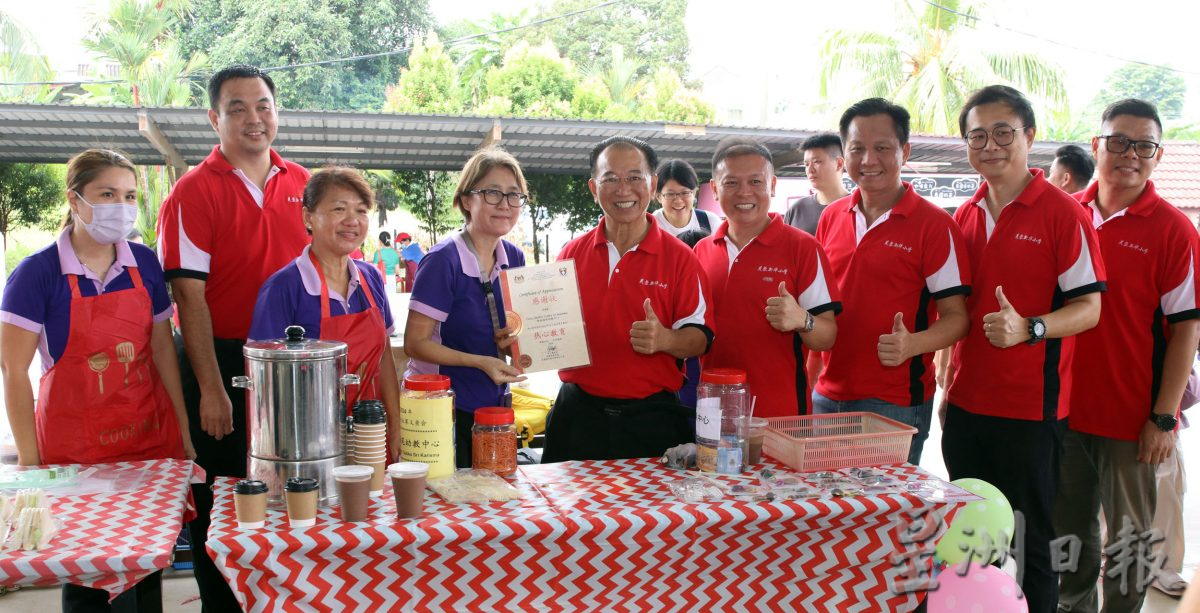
{"x": 677, "y": 183}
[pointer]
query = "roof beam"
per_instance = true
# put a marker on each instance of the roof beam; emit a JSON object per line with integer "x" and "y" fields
{"x": 149, "y": 129}
{"x": 492, "y": 136}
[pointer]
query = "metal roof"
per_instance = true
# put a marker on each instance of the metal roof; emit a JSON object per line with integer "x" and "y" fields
{"x": 178, "y": 136}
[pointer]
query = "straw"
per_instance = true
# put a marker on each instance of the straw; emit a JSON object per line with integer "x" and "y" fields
{"x": 753, "y": 400}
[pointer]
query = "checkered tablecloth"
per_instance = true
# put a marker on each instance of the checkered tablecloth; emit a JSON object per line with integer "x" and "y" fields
{"x": 588, "y": 535}
{"x": 109, "y": 541}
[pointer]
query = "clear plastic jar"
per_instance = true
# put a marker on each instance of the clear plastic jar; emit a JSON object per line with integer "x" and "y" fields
{"x": 494, "y": 440}
{"x": 427, "y": 423}
{"x": 722, "y": 421}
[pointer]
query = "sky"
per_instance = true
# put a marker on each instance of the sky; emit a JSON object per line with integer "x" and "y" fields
{"x": 760, "y": 55}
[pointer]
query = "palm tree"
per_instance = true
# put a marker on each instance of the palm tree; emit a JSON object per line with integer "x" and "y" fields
{"x": 476, "y": 56}
{"x": 20, "y": 62}
{"x": 930, "y": 63}
{"x": 621, "y": 77}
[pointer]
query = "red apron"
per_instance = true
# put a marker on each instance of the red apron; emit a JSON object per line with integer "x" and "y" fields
{"x": 364, "y": 334}
{"x": 103, "y": 401}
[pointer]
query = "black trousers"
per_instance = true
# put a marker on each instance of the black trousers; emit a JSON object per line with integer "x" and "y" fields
{"x": 223, "y": 458}
{"x": 145, "y": 597}
{"x": 586, "y": 427}
{"x": 1021, "y": 458}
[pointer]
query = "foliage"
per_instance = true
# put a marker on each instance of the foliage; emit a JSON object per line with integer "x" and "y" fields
{"x": 287, "y": 32}
{"x": 29, "y": 196}
{"x": 475, "y": 57}
{"x": 429, "y": 84}
{"x": 536, "y": 79}
{"x": 387, "y": 197}
{"x": 427, "y": 194}
{"x": 929, "y": 63}
{"x": 1162, "y": 86}
{"x": 20, "y": 62}
{"x": 554, "y": 195}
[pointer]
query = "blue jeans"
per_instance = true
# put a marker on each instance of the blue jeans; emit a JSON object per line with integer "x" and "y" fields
{"x": 917, "y": 416}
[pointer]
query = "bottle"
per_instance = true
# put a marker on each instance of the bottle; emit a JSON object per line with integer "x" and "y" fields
{"x": 494, "y": 441}
{"x": 722, "y": 421}
{"x": 427, "y": 423}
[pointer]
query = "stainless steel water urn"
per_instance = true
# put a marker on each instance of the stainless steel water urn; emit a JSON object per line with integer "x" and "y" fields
{"x": 296, "y": 408}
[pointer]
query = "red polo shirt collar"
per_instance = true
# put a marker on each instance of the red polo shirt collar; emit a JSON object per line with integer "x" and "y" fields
{"x": 217, "y": 160}
{"x": 651, "y": 243}
{"x": 1143, "y": 206}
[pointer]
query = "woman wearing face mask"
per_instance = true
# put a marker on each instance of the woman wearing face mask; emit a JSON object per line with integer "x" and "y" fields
{"x": 95, "y": 308}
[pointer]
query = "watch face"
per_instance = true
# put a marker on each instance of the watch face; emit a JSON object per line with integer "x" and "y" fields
{"x": 1039, "y": 329}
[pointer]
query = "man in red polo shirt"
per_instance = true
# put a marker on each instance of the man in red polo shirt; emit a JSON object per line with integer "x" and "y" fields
{"x": 228, "y": 224}
{"x": 773, "y": 295}
{"x": 1122, "y": 423}
{"x": 903, "y": 272}
{"x": 646, "y": 310}
{"x": 1037, "y": 275}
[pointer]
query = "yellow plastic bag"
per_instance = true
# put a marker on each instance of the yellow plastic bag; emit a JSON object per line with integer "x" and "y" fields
{"x": 530, "y": 411}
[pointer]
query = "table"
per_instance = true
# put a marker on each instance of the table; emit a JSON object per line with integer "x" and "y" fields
{"x": 588, "y": 535}
{"x": 110, "y": 541}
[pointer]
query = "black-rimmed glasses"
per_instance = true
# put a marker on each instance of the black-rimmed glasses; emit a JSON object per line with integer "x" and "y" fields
{"x": 495, "y": 196}
{"x": 1003, "y": 136}
{"x": 1115, "y": 143}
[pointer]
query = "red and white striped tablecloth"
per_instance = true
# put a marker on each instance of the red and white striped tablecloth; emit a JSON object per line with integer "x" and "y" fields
{"x": 588, "y": 535}
{"x": 109, "y": 541}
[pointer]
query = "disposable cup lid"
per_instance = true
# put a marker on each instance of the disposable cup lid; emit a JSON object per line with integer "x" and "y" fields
{"x": 408, "y": 468}
{"x": 250, "y": 486}
{"x": 353, "y": 471}
{"x": 758, "y": 422}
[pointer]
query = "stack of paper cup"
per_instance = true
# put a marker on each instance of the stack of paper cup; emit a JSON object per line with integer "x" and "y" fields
{"x": 370, "y": 441}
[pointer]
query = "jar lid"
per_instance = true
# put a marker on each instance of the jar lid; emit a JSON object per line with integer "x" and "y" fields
{"x": 294, "y": 347}
{"x": 427, "y": 383}
{"x": 250, "y": 486}
{"x": 300, "y": 484}
{"x": 408, "y": 468}
{"x": 493, "y": 416}
{"x": 723, "y": 376}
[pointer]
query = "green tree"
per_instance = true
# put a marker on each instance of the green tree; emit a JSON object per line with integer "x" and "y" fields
{"x": 1160, "y": 85}
{"x": 537, "y": 80}
{"x": 929, "y": 63}
{"x": 475, "y": 57}
{"x": 30, "y": 194}
{"x": 289, "y": 32}
{"x": 668, "y": 99}
{"x": 21, "y": 62}
{"x": 429, "y": 84}
{"x": 427, "y": 194}
{"x": 137, "y": 36}
{"x": 551, "y": 196}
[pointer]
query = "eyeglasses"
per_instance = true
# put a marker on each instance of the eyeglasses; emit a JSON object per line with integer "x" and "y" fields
{"x": 494, "y": 196}
{"x": 1001, "y": 135}
{"x": 1115, "y": 143}
{"x": 612, "y": 182}
{"x": 683, "y": 195}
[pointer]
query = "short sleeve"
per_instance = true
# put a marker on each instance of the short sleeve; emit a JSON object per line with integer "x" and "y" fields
{"x": 1080, "y": 269}
{"x": 25, "y": 301}
{"x": 185, "y": 235}
{"x": 1177, "y": 286}
{"x": 275, "y": 308}
{"x": 433, "y": 289}
{"x": 821, "y": 293}
{"x": 944, "y": 261}
{"x": 693, "y": 300}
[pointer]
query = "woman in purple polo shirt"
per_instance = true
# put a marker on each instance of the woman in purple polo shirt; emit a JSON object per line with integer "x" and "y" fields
{"x": 335, "y": 297}
{"x": 456, "y": 321}
{"x": 95, "y": 307}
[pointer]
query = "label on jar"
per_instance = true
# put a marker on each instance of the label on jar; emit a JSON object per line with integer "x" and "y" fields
{"x": 427, "y": 433}
{"x": 708, "y": 419}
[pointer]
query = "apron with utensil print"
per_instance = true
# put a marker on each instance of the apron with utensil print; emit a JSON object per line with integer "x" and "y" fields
{"x": 103, "y": 400}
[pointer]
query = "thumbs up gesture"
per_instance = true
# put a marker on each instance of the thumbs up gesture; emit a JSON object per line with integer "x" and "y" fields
{"x": 784, "y": 313}
{"x": 648, "y": 335}
{"x": 896, "y": 347}
{"x": 1006, "y": 327}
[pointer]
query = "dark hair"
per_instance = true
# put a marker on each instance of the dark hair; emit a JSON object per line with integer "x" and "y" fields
{"x": 1003, "y": 94}
{"x": 733, "y": 146}
{"x": 876, "y": 106}
{"x": 625, "y": 141}
{"x": 385, "y": 239}
{"x": 237, "y": 71}
{"x": 691, "y": 237}
{"x": 1077, "y": 161}
{"x": 678, "y": 170}
{"x": 1134, "y": 107}
{"x": 85, "y": 165}
{"x": 826, "y": 140}
{"x": 336, "y": 176}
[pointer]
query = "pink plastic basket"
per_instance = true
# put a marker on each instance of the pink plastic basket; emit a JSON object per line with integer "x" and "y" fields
{"x": 837, "y": 440}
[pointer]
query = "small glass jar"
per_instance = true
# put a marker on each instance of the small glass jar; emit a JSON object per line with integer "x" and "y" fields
{"x": 494, "y": 441}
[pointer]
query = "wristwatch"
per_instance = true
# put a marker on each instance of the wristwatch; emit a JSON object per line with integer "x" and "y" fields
{"x": 1166, "y": 423}
{"x": 809, "y": 322}
{"x": 1037, "y": 330}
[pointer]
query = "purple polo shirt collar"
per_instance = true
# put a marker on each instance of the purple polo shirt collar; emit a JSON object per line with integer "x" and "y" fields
{"x": 470, "y": 263}
{"x": 312, "y": 281}
{"x": 69, "y": 262}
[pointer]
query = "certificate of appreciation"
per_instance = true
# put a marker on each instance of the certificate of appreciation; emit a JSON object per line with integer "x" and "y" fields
{"x": 542, "y": 303}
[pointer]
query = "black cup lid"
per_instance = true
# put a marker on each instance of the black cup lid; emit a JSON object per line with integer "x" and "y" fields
{"x": 369, "y": 412}
{"x": 250, "y": 486}
{"x": 300, "y": 484}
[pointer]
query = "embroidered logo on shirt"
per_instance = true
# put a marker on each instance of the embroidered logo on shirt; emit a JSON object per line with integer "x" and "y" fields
{"x": 651, "y": 282}
{"x": 1026, "y": 237}
{"x": 779, "y": 269}
{"x": 1134, "y": 246}
{"x": 895, "y": 245}
{"x": 295, "y": 199}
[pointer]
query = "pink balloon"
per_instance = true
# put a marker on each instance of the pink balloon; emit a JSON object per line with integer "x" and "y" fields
{"x": 981, "y": 590}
